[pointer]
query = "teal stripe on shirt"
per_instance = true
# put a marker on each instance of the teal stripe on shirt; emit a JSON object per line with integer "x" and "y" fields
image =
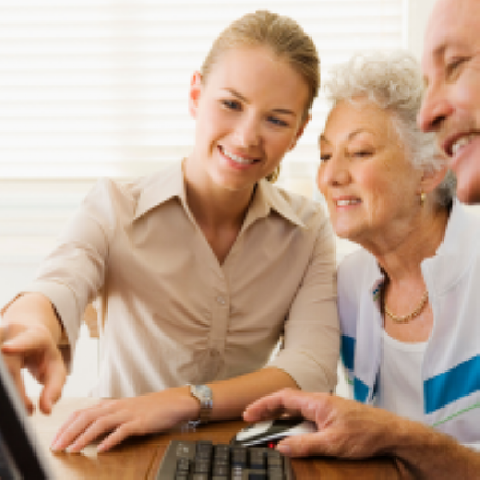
{"x": 348, "y": 351}
{"x": 460, "y": 381}
{"x": 360, "y": 390}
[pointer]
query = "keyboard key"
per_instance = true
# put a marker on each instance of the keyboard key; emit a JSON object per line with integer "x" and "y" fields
{"x": 257, "y": 457}
{"x": 239, "y": 456}
{"x": 220, "y": 469}
{"x": 202, "y": 466}
{"x": 222, "y": 450}
{"x": 204, "y": 449}
{"x": 274, "y": 457}
{"x": 181, "y": 476}
{"x": 257, "y": 474}
{"x": 183, "y": 465}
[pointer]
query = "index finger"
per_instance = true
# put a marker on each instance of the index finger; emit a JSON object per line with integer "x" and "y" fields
{"x": 3, "y": 333}
{"x": 272, "y": 406}
{"x": 13, "y": 364}
{"x": 76, "y": 423}
{"x": 52, "y": 388}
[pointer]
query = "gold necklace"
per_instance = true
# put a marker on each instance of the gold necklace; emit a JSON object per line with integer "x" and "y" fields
{"x": 406, "y": 318}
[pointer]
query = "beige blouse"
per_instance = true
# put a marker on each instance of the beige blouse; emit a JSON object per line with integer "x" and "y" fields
{"x": 170, "y": 313}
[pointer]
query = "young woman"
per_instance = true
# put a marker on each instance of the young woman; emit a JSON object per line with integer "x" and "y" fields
{"x": 200, "y": 269}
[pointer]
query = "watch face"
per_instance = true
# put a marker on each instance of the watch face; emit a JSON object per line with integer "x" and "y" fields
{"x": 201, "y": 391}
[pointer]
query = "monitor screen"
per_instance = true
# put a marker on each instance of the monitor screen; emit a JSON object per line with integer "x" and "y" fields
{"x": 20, "y": 455}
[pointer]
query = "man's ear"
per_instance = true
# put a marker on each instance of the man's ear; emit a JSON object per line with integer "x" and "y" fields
{"x": 431, "y": 179}
{"x": 195, "y": 92}
{"x": 300, "y": 131}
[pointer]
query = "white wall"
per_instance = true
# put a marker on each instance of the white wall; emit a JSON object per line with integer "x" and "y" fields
{"x": 418, "y": 13}
{"x": 32, "y": 213}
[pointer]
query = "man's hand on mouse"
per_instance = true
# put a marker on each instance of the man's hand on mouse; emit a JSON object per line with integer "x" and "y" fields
{"x": 346, "y": 428}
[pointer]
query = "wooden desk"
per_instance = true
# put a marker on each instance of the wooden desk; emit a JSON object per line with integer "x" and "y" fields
{"x": 140, "y": 457}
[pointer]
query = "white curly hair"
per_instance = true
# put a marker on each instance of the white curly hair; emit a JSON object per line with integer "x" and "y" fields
{"x": 393, "y": 81}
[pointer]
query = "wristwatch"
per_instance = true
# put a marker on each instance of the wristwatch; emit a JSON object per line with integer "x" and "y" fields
{"x": 204, "y": 395}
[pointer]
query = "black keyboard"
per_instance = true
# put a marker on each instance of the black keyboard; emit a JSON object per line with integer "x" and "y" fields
{"x": 203, "y": 460}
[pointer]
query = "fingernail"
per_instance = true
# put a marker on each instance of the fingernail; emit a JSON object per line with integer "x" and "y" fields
{"x": 54, "y": 447}
{"x": 285, "y": 449}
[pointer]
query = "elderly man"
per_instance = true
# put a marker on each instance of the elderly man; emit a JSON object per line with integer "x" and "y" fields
{"x": 349, "y": 429}
{"x": 451, "y": 107}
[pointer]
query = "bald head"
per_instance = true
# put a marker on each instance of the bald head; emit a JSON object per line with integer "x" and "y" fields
{"x": 451, "y": 106}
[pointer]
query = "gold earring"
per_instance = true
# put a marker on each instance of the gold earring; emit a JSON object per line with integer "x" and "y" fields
{"x": 423, "y": 196}
{"x": 273, "y": 177}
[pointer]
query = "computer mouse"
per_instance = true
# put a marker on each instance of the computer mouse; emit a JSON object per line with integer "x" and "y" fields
{"x": 271, "y": 431}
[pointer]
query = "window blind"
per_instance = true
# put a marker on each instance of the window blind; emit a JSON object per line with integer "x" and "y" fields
{"x": 92, "y": 88}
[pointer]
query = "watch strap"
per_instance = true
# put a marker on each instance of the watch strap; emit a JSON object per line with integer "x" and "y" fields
{"x": 204, "y": 395}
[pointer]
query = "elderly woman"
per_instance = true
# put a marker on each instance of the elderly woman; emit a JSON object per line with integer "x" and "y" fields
{"x": 408, "y": 300}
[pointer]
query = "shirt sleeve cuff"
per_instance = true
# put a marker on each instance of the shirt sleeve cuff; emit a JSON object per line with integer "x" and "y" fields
{"x": 66, "y": 307}
{"x": 305, "y": 370}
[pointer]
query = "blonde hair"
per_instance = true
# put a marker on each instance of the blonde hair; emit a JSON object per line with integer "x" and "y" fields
{"x": 283, "y": 36}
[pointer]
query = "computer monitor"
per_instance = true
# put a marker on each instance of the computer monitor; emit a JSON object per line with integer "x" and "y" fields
{"x": 20, "y": 454}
